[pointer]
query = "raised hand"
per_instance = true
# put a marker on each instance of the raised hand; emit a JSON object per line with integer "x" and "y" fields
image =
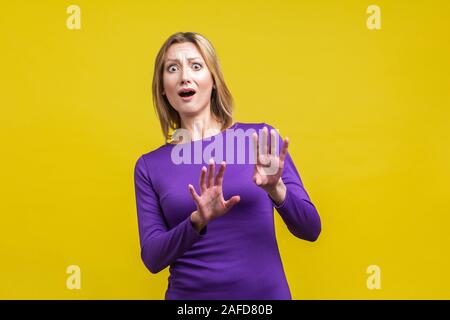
{"x": 269, "y": 166}
{"x": 210, "y": 203}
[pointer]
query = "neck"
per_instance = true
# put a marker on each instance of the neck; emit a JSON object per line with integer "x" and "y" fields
{"x": 201, "y": 126}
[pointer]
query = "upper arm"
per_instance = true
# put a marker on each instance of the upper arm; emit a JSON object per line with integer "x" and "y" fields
{"x": 150, "y": 215}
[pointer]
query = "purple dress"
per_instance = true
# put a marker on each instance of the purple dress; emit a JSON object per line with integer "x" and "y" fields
{"x": 235, "y": 256}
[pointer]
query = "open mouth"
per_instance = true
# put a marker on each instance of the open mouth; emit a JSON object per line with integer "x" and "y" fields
{"x": 185, "y": 94}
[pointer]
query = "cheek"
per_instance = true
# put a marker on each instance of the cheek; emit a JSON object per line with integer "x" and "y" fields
{"x": 204, "y": 79}
{"x": 169, "y": 83}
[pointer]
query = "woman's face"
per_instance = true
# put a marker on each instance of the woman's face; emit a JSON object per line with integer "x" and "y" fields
{"x": 184, "y": 69}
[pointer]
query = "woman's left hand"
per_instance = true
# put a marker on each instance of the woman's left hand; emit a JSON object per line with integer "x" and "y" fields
{"x": 269, "y": 166}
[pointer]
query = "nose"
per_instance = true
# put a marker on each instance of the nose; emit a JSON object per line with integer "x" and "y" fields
{"x": 185, "y": 76}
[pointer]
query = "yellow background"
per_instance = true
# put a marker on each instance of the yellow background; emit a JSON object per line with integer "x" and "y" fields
{"x": 366, "y": 111}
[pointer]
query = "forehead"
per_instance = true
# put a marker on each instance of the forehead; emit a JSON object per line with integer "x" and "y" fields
{"x": 184, "y": 50}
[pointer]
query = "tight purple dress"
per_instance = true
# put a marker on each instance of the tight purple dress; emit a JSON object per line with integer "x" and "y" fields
{"x": 235, "y": 256}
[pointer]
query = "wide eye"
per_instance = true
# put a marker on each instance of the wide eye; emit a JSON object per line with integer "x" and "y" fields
{"x": 198, "y": 64}
{"x": 171, "y": 68}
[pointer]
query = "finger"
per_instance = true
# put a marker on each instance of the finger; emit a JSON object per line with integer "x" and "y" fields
{"x": 255, "y": 154}
{"x": 219, "y": 177}
{"x": 211, "y": 173}
{"x": 255, "y": 176}
{"x": 202, "y": 180}
{"x": 255, "y": 147}
{"x": 194, "y": 194}
{"x": 273, "y": 142}
{"x": 260, "y": 180}
{"x": 264, "y": 141}
{"x": 231, "y": 202}
{"x": 284, "y": 150}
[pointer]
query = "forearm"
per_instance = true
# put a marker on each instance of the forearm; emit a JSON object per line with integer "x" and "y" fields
{"x": 297, "y": 211}
{"x": 299, "y": 214}
{"x": 160, "y": 251}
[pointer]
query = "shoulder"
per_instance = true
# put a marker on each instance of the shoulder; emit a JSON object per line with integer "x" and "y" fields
{"x": 253, "y": 125}
{"x": 152, "y": 157}
{"x": 256, "y": 126}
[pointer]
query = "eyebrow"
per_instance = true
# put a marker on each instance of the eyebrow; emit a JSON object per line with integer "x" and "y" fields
{"x": 193, "y": 58}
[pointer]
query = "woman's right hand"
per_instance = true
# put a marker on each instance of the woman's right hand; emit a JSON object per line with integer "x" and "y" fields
{"x": 210, "y": 203}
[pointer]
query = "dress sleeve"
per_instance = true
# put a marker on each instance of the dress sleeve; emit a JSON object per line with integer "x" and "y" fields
{"x": 159, "y": 245}
{"x": 297, "y": 209}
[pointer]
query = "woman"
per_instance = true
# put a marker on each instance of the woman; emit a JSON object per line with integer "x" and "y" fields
{"x": 220, "y": 241}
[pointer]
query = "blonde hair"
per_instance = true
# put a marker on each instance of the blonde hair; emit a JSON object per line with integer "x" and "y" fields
{"x": 221, "y": 98}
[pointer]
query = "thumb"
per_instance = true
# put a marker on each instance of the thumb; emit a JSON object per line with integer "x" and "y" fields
{"x": 231, "y": 202}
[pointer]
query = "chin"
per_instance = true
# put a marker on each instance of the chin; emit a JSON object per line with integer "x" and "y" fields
{"x": 188, "y": 111}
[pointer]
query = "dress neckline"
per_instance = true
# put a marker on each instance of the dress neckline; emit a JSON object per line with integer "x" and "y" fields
{"x": 204, "y": 139}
